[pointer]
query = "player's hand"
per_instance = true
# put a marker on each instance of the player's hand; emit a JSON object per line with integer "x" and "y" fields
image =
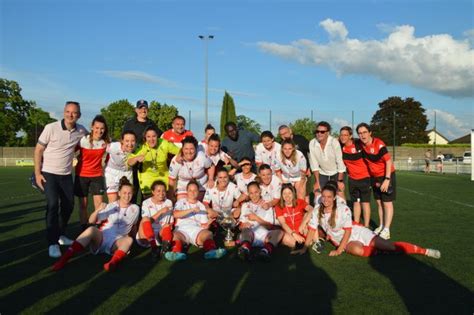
{"x": 212, "y": 214}
{"x": 384, "y": 186}
{"x": 195, "y": 210}
{"x": 252, "y": 217}
{"x": 340, "y": 186}
{"x": 300, "y": 251}
{"x": 179, "y": 158}
{"x": 244, "y": 225}
{"x": 303, "y": 229}
{"x": 236, "y": 213}
{"x": 210, "y": 184}
{"x": 140, "y": 158}
{"x": 265, "y": 205}
{"x": 316, "y": 190}
{"x": 40, "y": 180}
{"x": 101, "y": 206}
{"x": 298, "y": 238}
{"x": 208, "y": 224}
{"x": 334, "y": 253}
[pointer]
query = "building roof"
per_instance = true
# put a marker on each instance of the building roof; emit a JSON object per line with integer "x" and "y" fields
{"x": 438, "y": 133}
{"x": 463, "y": 139}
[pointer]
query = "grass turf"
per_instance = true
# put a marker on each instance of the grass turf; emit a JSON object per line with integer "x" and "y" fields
{"x": 431, "y": 210}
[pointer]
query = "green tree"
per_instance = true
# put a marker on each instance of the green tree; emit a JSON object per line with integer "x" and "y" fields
{"x": 35, "y": 122}
{"x": 246, "y": 123}
{"x": 304, "y": 127}
{"x": 13, "y": 112}
{"x": 116, "y": 114}
{"x": 410, "y": 121}
{"x": 228, "y": 112}
{"x": 162, "y": 115}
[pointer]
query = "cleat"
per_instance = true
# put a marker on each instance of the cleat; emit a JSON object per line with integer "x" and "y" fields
{"x": 385, "y": 234}
{"x": 318, "y": 247}
{"x": 244, "y": 253}
{"x": 215, "y": 253}
{"x": 264, "y": 255}
{"x": 54, "y": 251}
{"x": 165, "y": 247}
{"x": 63, "y": 240}
{"x": 174, "y": 256}
{"x": 378, "y": 230}
{"x": 433, "y": 253}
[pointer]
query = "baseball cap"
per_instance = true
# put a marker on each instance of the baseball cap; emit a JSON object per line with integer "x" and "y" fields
{"x": 142, "y": 103}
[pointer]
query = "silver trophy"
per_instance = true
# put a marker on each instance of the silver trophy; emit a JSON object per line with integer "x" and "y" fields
{"x": 227, "y": 222}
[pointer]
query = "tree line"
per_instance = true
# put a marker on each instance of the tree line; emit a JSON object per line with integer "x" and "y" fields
{"x": 21, "y": 121}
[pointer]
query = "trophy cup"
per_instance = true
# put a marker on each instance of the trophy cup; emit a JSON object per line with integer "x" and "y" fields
{"x": 227, "y": 222}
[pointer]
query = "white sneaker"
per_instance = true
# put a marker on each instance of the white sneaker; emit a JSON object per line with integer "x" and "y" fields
{"x": 385, "y": 234}
{"x": 433, "y": 253}
{"x": 63, "y": 240}
{"x": 378, "y": 230}
{"x": 54, "y": 251}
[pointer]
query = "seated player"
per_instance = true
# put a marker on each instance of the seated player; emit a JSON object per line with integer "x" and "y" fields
{"x": 116, "y": 219}
{"x": 256, "y": 227}
{"x": 192, "y": 227}
{"x": 290, "y": 212}
{"x": 336, "y": 220}
{"x": 291, "y": 167}
{"x": 223, "y": 197}
{"x": 212, "y": 149}
{"x": 270, "y": 184}
{"x": 157, "y": 221}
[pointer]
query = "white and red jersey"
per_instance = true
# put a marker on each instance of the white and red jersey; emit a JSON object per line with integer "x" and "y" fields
{"x": 117, "y": 158}
{"x": 90, "y": 157}
{"x": 116, "y": 220}
{"x": 243, "y": 182}
{"x": 176, "y": 138}
{"x": 250, "y": 207}
{"x": 192, "y": 219}
{"x": 290, "y": 171}
{"x": 222, "y": 200}
{"x": 149, "y": 209}
{"x": 219, "y": 156}
{"x": 343, "y": 222}
{"x": 185, "y": 171}
{"x": 272, "y": 191}
{"x": 264, "y": 156}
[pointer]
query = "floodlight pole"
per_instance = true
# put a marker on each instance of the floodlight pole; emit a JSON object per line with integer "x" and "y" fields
{"x": 206, "y": 39}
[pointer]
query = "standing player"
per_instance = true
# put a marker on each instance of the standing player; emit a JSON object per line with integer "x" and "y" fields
{"x": 382, "y": 174}
{"x": 116, "y": 219}
{"x": 225, "y": 196}
{"x": 256, "y": 226}
{"x": 213, "y": 151}
{"x": 117, "y": 167}
{"x": 290, "y": 212}
{"x": 178, "y": 132}
{"x": 157, "y": 221}
{"x": 267, "y": 150}
{"x": 208, "y": 131}
{"x": 336, "y": 220}
{"x": 291, "y": 167}
{"x": 243, "y": 178}
{"x": 192, "y": 227}
{"x": 358, "y": 173}
{"x": 89, "y": 171}
{"x": 193, "y": 165}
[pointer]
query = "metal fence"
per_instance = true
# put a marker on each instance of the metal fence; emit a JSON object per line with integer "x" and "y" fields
{"x": 418, "y": 165}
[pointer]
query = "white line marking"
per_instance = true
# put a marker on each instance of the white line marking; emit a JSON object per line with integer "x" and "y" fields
{"x": 435, "y": 197}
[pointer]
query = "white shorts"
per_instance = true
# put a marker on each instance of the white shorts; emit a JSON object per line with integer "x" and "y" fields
{"x": 112, "y": 179}
{"x": 108, "y": 241}
{"x": 259, "y": 235}
{"x": 292, "y": 180}
{"x": 361, "y": 234}
{"x": 190, "y": 232}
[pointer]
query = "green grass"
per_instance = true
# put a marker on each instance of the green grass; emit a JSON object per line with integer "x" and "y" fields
{"x": 433, "y": 211}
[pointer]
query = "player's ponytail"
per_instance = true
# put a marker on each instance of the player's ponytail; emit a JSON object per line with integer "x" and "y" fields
{"x": 124, "y": 182}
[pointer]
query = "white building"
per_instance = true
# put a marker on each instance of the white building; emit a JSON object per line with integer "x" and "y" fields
{"x": 432, "y": 135}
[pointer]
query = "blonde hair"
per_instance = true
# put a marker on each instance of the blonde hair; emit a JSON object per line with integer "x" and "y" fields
{"x": 332, "y": 219}
{"x": 293, "y": 154}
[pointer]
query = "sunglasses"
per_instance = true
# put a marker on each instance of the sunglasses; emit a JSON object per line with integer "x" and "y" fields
{"x": 321, "y": 131}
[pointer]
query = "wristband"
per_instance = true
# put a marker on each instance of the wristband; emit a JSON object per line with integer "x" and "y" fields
{"x": 388, "y": 178}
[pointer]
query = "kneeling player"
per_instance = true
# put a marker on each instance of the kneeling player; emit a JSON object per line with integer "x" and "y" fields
{"x": 157, "y": 221}
{"x": 116, "y": 219}
{"x": 256, "y": 227}
{"x": 336, "y": 220}
{"x": 290, "y": 212}
{"x": 192, "y": 227}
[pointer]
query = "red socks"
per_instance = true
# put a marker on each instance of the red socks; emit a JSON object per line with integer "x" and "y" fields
{"x": 149, "y": 233}
{"x": 209, "y": 245}
{"x": 76, "y": 247}
{"x": 118, "y": 256}
{"x": 269, "y": 247}
{"x": 369, "y": 251}
{"x": 177, "y": 246}
{"x": 408, "y": 248}
{"x": 166, "y": 233}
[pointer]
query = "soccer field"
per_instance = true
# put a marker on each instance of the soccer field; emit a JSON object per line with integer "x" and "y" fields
{"x": 433, "y": 210}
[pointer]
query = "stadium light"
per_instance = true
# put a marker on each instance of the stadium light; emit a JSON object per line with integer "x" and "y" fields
{"x": 206, "y": 39}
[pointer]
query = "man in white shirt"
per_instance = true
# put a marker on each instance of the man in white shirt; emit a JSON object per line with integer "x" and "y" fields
{"x": 325, "y": 159}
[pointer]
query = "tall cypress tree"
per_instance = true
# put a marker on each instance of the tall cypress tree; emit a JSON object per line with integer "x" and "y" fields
{"x": 227, "y": 112}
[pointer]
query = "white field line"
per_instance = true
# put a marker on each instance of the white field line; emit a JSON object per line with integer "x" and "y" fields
{"x": 435, "y": 197}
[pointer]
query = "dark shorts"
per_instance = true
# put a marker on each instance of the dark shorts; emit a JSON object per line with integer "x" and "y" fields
{"x": 391, "y": 194}
{"x": 427, "y": 162}
{"x": 85, "y": 185}
{"x": 359, "y": 189}
{"x": 324, "y": 179}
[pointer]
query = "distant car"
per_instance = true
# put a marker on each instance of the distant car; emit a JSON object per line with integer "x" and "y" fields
{"x": 448, "y": 157}
{"x": 466, "y": 158}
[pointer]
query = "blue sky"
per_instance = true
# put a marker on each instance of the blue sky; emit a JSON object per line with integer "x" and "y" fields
{"x": 291, "y": 57}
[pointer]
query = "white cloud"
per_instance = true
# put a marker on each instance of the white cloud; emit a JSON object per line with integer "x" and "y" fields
{"x": 339, "y": 122}
{"x": 448, "y": 124}
{"x": 140, "y": 76}
{"x": 233, "y": 93}
{"x": 438, "y": 63}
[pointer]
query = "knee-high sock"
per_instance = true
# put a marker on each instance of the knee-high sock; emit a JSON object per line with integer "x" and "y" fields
{"x": 166, "y": 233}
{"x": 369, "y": 251}
{"x": 177, "y": 246}
{"x": 75, "y": 247}
{"x": 408, "y": 248}
{"x": 209, "y": 245}
{"x": 118, "y": 256}
{"x": 149, "y": 233}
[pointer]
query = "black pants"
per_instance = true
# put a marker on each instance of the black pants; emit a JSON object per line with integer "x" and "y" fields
{"x": 59, "y": 192}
